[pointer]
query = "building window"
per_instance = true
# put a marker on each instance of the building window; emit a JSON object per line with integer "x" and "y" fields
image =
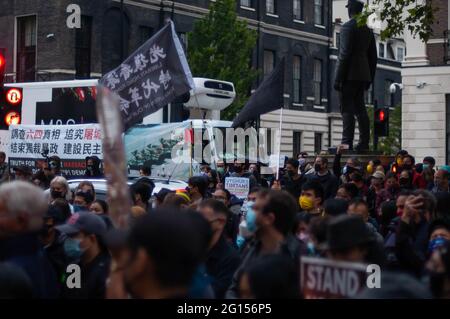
{"x": 387, "y": 92}
{"x": 400, "y": 54}
{"x": 269, "y": 61}
{"x": 26, "y": 49}
{"x": 318, "y": 12}
{"x": 296, "y": 75}
{"x": 83, "y": 37}
{"x": 271, "y": 6}
{"x": 297, "y": 143}
{"x": 298, "y": 6}
{"x": 381, "y": 49}
{"x": 317, "y": 142}
{"x": 317, "y": 81}
{"x": 246, "y": 3}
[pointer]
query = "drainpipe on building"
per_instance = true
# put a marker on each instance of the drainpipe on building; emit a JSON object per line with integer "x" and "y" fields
{"x": 329, "y": 82}
{"x": 258, "y": 30}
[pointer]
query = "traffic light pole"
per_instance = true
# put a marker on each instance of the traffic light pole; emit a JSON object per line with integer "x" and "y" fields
{"x": 375, "y": 136}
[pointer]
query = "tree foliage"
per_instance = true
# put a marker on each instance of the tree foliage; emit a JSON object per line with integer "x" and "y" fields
{"x": 417, "y": 16}
{"x": 390, "y": 144}
{"x": 220, "y": 47}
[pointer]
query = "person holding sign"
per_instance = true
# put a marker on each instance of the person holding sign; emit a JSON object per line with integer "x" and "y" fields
{"x": 272, "y": 219}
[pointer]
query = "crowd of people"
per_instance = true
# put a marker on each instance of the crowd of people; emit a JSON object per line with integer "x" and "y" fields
{"x": 204, "y": 242}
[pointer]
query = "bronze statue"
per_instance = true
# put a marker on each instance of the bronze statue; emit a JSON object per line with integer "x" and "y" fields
{"x": 355, "y": 71}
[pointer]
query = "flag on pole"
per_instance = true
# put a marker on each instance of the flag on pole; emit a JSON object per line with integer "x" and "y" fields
{"x": 267, "y": 97}
{"x": 150, "y": 78}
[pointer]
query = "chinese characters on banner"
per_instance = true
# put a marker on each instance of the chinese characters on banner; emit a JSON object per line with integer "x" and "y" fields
{"x": 150, "y": 78}
{"x": 71, "y": 143}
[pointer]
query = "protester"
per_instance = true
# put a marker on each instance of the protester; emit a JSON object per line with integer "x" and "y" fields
{"x": 234, "y": 204}
{"x": 100, "y": 208}
{"x": 441, "y": 181}
{"x": 59, "y": 188}
{"x": 335, "y": 207}
{"x": 222, "y": 260}
{"x": 160, "y": 196}
{"x": 176, "y": 199}
{"x": 161, "y": 266}
{"x": 349, "y": 239}
{"x": 197, "y": 186}
{"x": 4, "y": 168}
{"x": 405, "y": 180}
{"x": 352, "y": 164}
{"x": 358, "y": 179}
{"x": 86, "y": 186}
{"x": 273, "y": 219}
{"x": 359, "y": 207}
{"x": 145, "y": 172}
{"x": 22, "y": 173}
{"x": 53, "y": 240}
{"x": 40, "y": 179}
{"x": 82, "y": 201}
{"x": 54, "y": 165}
{"x": 438, "y": 267}
{"x": 93, "y": 167}
{"x": 293, "y": 181}
{"x": 412, "y": 233}
{"x": 321, "y": 174}
{"x": 374, "y": 192}
{"x": 85, "y": 244}
{"x": 417, "y": 179}
{"x": 347, "y": 192}
{"x": 22, "y": 209}
{"x": 140, "y": 194}
{"x": 239, "y": 171}
{"x": 281, "y": 282}
{"x": 14, "y": 283}
{"x": 312, "y": 198}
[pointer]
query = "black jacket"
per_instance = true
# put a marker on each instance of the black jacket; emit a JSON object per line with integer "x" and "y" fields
{"x": 25, "y": 252}
{"x": 328, "y": 181}
{"x": 357, "y": 60}
{"x": 411, "y": 246}
{"x": 292, "y": 247}
{"x": 221, "y": 264}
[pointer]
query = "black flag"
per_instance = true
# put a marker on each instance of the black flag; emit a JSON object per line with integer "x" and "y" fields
{"x": 153, "y": 76}
{"x": 268, "y": 97}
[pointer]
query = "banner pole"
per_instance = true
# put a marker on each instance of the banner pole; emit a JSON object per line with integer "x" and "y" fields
{"x": 279, "y": 146}
{"x": 191, "y": 132}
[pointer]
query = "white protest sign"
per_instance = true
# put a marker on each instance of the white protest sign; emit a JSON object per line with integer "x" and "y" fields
{"x": 238, "y": 186}
{"x": 327, "y": 279}
{"x": 71, "y": 143}
{"x": 273, "y": 164}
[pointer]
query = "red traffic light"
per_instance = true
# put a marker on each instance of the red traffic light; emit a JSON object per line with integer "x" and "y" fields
{"x": 382, "y": 115}
{"x": 14, "y": 96}
{"x": 2, "y": 60}
{"x": 12, "y": 118}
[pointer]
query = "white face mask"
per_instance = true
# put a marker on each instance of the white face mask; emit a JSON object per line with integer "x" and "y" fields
{"x": 243, "y": 230}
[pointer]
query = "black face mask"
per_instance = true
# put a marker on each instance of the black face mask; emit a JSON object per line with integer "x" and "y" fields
{"x": 238, "y": 169}
{"x": 56, "y": 194}
{"x": 317, "y": 167}
{"x": 437, "y": 281}
{"x": 290, "y": 173}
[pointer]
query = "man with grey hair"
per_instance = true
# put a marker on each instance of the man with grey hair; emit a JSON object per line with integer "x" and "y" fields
{"x": 22, "y": 208}
{"x": 59, "y": 188}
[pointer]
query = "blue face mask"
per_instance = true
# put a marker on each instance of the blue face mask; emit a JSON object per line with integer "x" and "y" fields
{"x": 436, "y": 243}
{"x": 250, "y": 218}
{"x": 78, "y": 208}
{"x": 72, "y": 249}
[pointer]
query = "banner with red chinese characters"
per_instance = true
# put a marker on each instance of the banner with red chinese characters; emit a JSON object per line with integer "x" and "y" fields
{"x": 30, "y": 145}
